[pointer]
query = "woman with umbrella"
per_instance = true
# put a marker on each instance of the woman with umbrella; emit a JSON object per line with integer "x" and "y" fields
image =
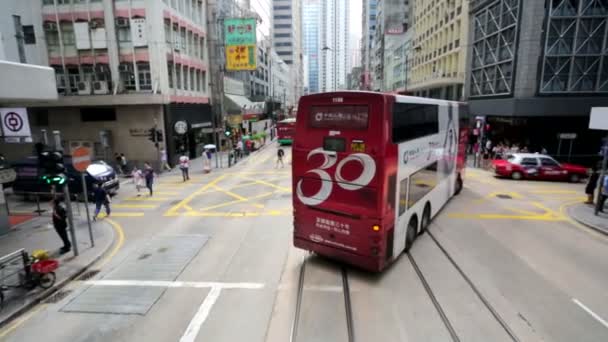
{"x": 207, "y": 157}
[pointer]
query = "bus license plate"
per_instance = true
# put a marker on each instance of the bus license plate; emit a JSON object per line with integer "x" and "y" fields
{"x": 357, "y": 146}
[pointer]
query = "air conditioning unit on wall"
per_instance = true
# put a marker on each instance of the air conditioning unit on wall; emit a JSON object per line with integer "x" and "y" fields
{"x": 100, "y": 87}
{"x": 84, "y": 88}
{"x": 122, "y": 22}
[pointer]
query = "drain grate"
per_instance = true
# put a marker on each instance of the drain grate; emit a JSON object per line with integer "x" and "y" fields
{"x": 503, "y": 196}
{"x": 57, "y": 296}
{"x": 88, "y": 275}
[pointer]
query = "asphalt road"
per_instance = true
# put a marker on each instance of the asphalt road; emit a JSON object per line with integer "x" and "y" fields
{"x": 211, "y": 260}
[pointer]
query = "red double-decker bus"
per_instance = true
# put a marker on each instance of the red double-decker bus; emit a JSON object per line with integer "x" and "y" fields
{"x": 370, "y": 170}
{"x": 286, "y": 131}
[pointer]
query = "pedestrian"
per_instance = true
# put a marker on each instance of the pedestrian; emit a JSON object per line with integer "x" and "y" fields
{"x": 138, "y": 178}
{"x": 280, "y": 154}
{"x": 592, "y": 183}
{"x": 149, "y": 176}
{"x": 123, "y": 162}
{"x": 544, "y": 151}
{"x": 184, "y": 165}
{"x": 163, "y": 158}
{"x": 118, "y": 163}
{"x": 604, "y": 196}
{"x": 239, "y": 149}
{"x": 101, "y": 197}
{"x": 206, "y": 161}
{"x": 60, "y": 222}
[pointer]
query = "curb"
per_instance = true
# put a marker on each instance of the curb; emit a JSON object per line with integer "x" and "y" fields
{"x": 58, "y": 286}
{"x": 584, "y": 223}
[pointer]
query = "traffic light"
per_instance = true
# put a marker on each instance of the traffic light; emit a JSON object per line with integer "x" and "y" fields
{"x": 51, "y": 165}
{"x": 151, "y": 134}
{"x": 228, "y": 132}
{"x": 159, "y": 135}
{"x": 155, "y": 135}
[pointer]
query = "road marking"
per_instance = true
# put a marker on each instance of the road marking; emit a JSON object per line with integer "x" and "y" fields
{"x": 121, "y": 240}
{"x": 543, "y": 217}
{"x": 229, "y": 193}
{"x": 135, "y": 206}
{"x": 175, "y": 284}
{"x": 593, "y": 314}
{"x": 123, "y": 214}
{"x": 19, "y": 321}
{"x": 282, "y": 188}
{"x": 548, "y": 192}
{"x": 201, "y": 315}
{"x": 173, "y": 210}
{"x": 592, "y": 232}
{"x": 150, "y": 199}
{"x": 167, "y": 193}
{"x": 234, "y": 214}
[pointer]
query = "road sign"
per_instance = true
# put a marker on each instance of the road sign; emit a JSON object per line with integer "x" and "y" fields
{"x": 241, "y": 57}
{"x": 567, "y": 136}
{"x": 81, "y": 158}
{"x": 15, "y": 122}
{"x": 7, "y": 175}
{"x": 240, "y": 31}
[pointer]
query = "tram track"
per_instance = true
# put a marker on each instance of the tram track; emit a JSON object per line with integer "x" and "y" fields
{"x": 469, "y": 282}
{"x": 347, "y": 303}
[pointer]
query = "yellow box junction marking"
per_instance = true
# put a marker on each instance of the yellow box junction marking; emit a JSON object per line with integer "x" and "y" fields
{"x": 135, "y": 206}
{"x": 173, "y": 211}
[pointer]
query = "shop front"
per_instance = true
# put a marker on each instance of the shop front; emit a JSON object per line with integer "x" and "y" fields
{"x": 189, "y": 127}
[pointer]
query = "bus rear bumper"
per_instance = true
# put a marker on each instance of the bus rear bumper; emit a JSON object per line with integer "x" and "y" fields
{"x": 373, "y": 264}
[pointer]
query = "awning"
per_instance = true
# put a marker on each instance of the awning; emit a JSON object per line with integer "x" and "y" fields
{"x": 234, "y": 103}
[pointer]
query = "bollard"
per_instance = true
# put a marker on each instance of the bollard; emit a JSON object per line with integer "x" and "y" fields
{"x": 38, "y": 205}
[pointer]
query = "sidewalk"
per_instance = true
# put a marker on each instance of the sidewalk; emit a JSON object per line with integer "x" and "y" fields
{"x": 38, "y": 233}
{"x": 584, "y": 213}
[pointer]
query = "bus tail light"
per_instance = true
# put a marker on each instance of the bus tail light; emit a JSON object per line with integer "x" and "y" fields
{"x": 376, "y": 228}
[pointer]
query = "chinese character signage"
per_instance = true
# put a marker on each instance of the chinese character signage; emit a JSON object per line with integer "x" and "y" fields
{"x": 239, "y": 31}
{"x": 241, "y": 57}
{"x": 240, "y": 41}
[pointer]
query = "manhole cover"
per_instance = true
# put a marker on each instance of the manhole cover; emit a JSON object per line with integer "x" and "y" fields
{"x": 57, "y": 296}
{"x": 503, "y": 196}
{"x": 88, "y": 275}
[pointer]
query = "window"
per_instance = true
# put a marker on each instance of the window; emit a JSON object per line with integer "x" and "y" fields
{"x": 145, "y": 78}
{"x": 73, "y": 78}
{"x": 192, "y": 85}
{"x": 19, "y": 38}
{"x": 282, "y": 35}
{"x": 529, "y": 162}
{"x": 178, "y": 76}
{"x": 403, "y": 195}
{"x": 123, "y": 33}
{"x": 282, "y": 7}
{"x": 284, "y": 53}
{"x": 186, "y": 77}
{"x": 127, "y": 76}
{"x": 28, "y": 34}
{"x": 198, "y": 80}
{"x": 48, "y": 2}
{"x": 170, "y": 74}
{"x": 548, "y": 162}
{"x": 52, "y": 38}
{"x": 182, "y": 35}
{"x": 190, "y": 47}
{"x": 282, "y": 26}
{"x": 93, "y": 114}
{"x": 67, "y": 34}
{"x": 414, "y": 120}
{"x": 204, "y": 81}
{"x": 202, "y": 47}
{"x": 283, "y": 44}
{"x": 421, "y": 183}
{"x": 168, "y": 34}
{"x": 282, "y": 16}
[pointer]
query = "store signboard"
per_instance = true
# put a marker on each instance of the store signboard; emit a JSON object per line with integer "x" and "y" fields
{"x": 240, "y": 43}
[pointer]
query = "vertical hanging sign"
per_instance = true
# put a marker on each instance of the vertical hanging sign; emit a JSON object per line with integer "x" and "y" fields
{"x": 240, "y": 42}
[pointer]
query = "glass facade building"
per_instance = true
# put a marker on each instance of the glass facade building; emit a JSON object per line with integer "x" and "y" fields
{"x": 311, "y": 24}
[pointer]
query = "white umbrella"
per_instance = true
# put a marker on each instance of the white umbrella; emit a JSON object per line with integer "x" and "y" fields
{"x": 209, "y": 147}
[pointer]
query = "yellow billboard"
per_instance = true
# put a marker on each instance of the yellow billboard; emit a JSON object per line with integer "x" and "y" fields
{"x": 241, "y": 57}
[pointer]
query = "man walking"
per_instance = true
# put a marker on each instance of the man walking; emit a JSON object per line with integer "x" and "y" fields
{"x": 163, "y": 158}
{"x": 184, "y": 165}
{"x": 280, "y": 154}
{"x": 101, "y": 197}
{"x": 149, "y": 176}
{"x": 61, "y": 224}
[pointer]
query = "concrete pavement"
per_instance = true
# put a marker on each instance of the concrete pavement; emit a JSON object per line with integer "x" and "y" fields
{"x": 525, "y": 261}
{"x": 585, "y": 214}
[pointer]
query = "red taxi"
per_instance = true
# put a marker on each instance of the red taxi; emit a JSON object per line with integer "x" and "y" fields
{"x": 537, "y": 166}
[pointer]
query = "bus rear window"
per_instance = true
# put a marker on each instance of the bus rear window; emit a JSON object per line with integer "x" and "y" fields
{"x": 339, "y": 117}
{"x": 414, "y": 120}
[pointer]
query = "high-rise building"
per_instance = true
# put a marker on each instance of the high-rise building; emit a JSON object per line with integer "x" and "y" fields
{"x": 287, "y": 40}
{"x": 368, "y": 24}
{"x": 538, "y": 62}
{"x": 123, "y": 67}
{"x": 335, "y": 44}
{"x": 311, "y": 34}
{"x": 392, "y": 19}
{"x": 439, "y": 44}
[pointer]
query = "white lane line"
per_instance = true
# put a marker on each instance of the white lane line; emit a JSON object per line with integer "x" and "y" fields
{"x": 175, "y": 284}
{"x": 593, "y": 314}
{"x": 201, "y": 315}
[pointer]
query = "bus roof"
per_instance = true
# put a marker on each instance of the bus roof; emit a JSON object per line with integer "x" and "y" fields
{"x": 398, "y": 98}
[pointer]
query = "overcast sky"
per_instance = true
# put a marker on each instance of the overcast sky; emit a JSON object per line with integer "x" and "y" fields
{"x": 355, "y": 18}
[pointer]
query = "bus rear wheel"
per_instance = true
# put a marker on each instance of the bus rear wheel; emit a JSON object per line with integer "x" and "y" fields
{"x": 426, "y": 218}
{"x": 410, "y": 233}
{"x": 459, "y": 184}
